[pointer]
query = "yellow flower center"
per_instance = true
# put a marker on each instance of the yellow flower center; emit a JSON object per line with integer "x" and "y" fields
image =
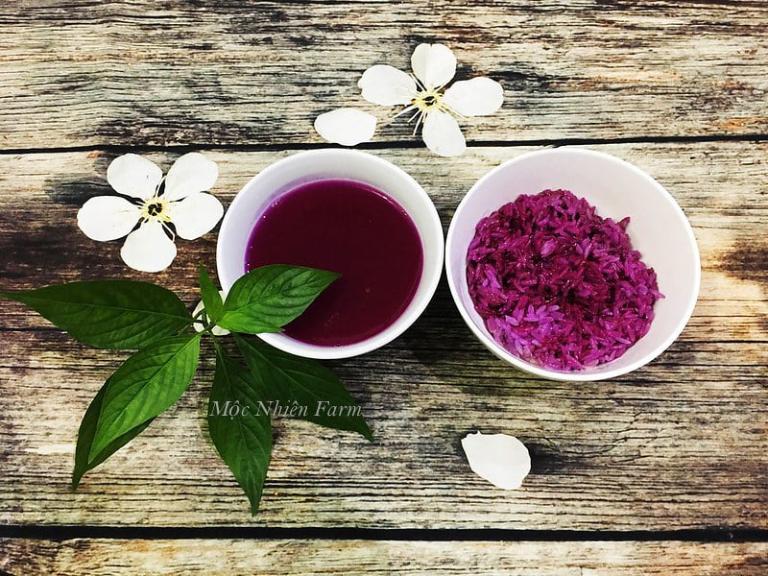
{"x": 428, "y": 100}
{"x": 155, "y": 209}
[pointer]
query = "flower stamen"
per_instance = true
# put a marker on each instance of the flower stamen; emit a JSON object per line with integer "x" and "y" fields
{"x": 169, "y": 230}
{"x": 418, "y": 82}
{"x": 445, "y": 108}
{"x": 418, "y": 123}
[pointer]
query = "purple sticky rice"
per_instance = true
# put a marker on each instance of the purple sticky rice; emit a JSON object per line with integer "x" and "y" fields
{"x": 557, "y": 285}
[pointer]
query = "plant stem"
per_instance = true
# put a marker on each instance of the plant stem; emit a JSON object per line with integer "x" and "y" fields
{"x": 194, "y": 319}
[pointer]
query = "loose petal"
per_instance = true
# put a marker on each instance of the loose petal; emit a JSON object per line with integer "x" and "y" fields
{"x": 387, "y": 86}
{"x": 476, "y": 97}
{"x": 196, "y": 215}
{"x": 346, "y": 126}
{"x": 105, "y": 218}
{"x": 134, "y": 175}
{"x": 502, "y": 460}
{"x": 199, "y": 325}
{"x": 191, "y": 173}
{"x": 442, "y": 134}
{"x": 433, "y": 64}
{"x": 148, "y": 249}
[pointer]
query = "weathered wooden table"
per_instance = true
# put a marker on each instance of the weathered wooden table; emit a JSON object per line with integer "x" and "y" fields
{"x": 664, "y": 471}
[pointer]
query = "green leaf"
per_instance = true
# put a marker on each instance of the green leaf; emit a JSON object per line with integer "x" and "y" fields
{"x": 117, "y": 314}
{"x": 85, "y": 439}
{"x": 148, "y": 383}
{"x": 214, "y": 306}
{"x": 269, "y": 297}
{"x": 242, "y": 436}
{"x": 289, "y": 379}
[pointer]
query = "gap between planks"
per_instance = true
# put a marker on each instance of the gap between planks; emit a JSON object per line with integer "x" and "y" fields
{"x": 99, "y": 557}
{"x": 65, "y": 532}
{"x": 388, "y": 145}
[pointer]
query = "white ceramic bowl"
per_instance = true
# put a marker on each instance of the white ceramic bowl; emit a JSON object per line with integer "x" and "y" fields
{"x": 285, "y": 174}
{"x": 658, "y": 229}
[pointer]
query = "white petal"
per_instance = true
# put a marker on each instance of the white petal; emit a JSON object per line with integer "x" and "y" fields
{"x": 199, "y": 325}
{"x": 442, "y": 134}
{"x": 476, "y": 97}
{"x": 433, "y": 64}
{"x": 134, "y": 175}
{"x": 219, "y": 331}
{"x": 196, "y": 215}
{"x": 387, "y": 86}
{"x": 346, "y": 126}
{"x": 148, "y": 249}
{"x": 502, "y": 460}
{"x": 106, "y": 218}
{"x": 191, "y": 173}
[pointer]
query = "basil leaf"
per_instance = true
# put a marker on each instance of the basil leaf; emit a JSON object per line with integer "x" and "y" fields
{"x": 148, "y": 383}
{"x": 269, "y": 297}
{"x": 212, "y": 302}
{"x": 85, "y": 439}
{"x": 117, "y": 314}
{"x": 315, "y": 389}
{"x": 243, "y": 437}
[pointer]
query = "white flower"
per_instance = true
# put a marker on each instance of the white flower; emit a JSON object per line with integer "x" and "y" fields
{"x": 182, "y": 204}
{"x": 200, "y": 324}
{"x": 423, "y": 91}
{"x": 502, "y": 460}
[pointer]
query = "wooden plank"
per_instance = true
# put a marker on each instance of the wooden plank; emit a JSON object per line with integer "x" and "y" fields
{"x": 92, "y": 72}
{"x": 682, "y": 443}
{"x": 287, "y": 557}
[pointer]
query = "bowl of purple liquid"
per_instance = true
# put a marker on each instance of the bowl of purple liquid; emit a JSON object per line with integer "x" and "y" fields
{"x": 346, "y": 211}
{"x": 572, "y": 264}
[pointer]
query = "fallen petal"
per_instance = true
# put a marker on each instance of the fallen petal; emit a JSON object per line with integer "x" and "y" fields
{"x": 148, "y": 249}
{"x": 476, "y": 97}
{"x": 502, "y": 460}
{"x": 387, "y": 86}
{"x": 196, "y": 215}
{"x": 442, "y": 135}
{"x": 134, "y": 175}
{"x": 190, "y": 173}
{"x": 433, "y": 64}
{"x": 346, "y": 126}
{"x": 105, "y": 218}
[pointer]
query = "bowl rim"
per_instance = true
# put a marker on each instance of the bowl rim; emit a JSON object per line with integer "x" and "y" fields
{"x": 430, "y": 277}
{"x": 504, "y": 354}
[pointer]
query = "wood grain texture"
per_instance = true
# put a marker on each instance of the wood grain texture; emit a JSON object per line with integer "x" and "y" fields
{"x": 682, "y": 443}
{"x": 93, "y": 72}
{"x": 288, "y": 557}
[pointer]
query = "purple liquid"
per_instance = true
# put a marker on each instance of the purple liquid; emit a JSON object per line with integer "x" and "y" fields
{"x": 351, "y": 228}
